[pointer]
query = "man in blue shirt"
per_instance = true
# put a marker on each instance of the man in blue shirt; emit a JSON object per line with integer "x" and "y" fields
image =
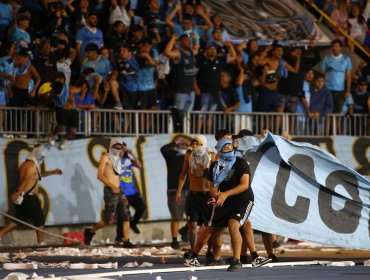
{"x": 89, "y": 34}
{"x": 337, "y": 69}
{"x": 127, "y": 183}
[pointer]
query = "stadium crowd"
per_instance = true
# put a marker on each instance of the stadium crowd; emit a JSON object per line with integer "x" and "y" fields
{"x": 149, "y": 55}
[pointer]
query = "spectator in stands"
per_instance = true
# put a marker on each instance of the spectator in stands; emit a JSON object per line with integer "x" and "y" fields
{"x": 248, "y": 49}
{"x": 217, "y": 24}
{"x": 147, "y": 59}
{"x": 304, "y": 102}
{"x": 20, "y": 33}
{"x": 208, "y": 76}
{"x": 67, "y": 118}
{"x": 60, "y": 21}
{"x": 121, "y": 11}
{"x": 291, "y": 86}
{"x": 337, "y": 69}
{"x": 46, "y": 59}
{"x": 361, "y": 98}
{"x": 321, "y": 101}
{"x": 89, "y": 34}
{"x": 367, "y": 35}
{"x": 329, "y": 6}
{"x": 64, "y": 64}
{"x": 154, "y": 19}
{"x": 340, "y": 16}
{"x": 229, "y": 97}
{"x": 89, "y": 82}
{"x": 116, "y": 37}
{"x": 95, "y": 61}
{"x": 79, "y": 13}
{"x": 136, "y": 37}
{"x": 187, "y": 27}
{"x": 6, "y": 17}
{"x": 275, "y": 68}
{"x": 357, "y": 24}
{"x": 125, "y": 86}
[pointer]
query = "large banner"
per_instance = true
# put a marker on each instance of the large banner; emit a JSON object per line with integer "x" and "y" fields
{"x": 305, "y": 193}
{"x": 300, "y": 191}
{"x": 265, "y": 19}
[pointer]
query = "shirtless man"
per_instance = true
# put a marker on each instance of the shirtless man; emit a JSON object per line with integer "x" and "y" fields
{"x": 275, "y": 68}
{"x": 30, "y": 208}
{"x": 196, "y": 163}
{"x": 116, "y": 202}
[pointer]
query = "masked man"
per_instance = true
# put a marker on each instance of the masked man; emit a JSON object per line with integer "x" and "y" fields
{"x": 25, "y": 197}
{"x": 196, "y": 164}
{"x": 229, "y": 175}
{"x": 115, "y": 201}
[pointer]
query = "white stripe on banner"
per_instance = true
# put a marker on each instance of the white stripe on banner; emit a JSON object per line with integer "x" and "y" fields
{"x": 305, "y": 193}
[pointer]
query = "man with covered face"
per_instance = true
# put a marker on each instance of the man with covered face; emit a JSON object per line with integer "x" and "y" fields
{"x": 27, "y": 203}
{"x": 229, "y": 177}
{"x": 116, "y": 203}
{"x": 196, "y": 164}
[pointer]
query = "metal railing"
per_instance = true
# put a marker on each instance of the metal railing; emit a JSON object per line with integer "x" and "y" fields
{"x": 123, "y": 123}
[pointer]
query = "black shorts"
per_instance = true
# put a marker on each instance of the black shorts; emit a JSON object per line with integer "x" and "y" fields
{"x": 116, "y": 205}
{"x": 146, "y": 99}
{"x": 222, "y": 214}
{"x": 67, "y": 118}
{"x": 268, "y": 100}
{"x": 30, "y": 210}
{"x": 288, "y": 103}
{"x": 338, "y": 100}
{"x": 128, "y": 98}
{"x": 197, "y": 209}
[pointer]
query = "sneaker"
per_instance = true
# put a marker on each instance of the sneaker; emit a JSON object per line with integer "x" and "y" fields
{"x": 63, "y": 144}
{"x": 135, "y": 228}
{"x": 128, "y": 245}
{"x": 184, "y": 232}
{"x": 186, "y": 255}
{"x": 214, "y": 262}
{"x": 260, "y": 261}
{"x": 235, "y": 265}
{"x": 118, "y": 106}
{"x": 275, "y": 244}
{"x": 88, "y": 236}
{"x": 118, "y": 241}
{"x": 192, "y": 262}
{"x": 175, "y": 245}
{"x": 273, "y": 258}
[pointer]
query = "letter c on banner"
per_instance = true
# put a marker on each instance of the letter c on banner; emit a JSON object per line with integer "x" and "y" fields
{"x": 299, "y": 211}
{"x": 347, "y": 219}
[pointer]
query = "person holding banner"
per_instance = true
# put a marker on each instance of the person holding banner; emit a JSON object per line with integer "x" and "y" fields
{"x": 116, "y": 202}
{"x": 229, "y": 180}
{"x": 25, "y": 198}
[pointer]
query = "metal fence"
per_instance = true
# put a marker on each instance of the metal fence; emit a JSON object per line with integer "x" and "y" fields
{"x": 130, "y": 122}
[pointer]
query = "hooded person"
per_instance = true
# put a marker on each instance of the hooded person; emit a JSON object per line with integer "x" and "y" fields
{"x": 37, "y": 155}
{"x": 225, "y": 162}
{"x": 114, "y": 150}
{"x": 200, "y": 158}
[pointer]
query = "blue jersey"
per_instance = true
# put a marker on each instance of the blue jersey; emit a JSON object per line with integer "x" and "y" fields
{"x": 127, "y": 176}
{"x": 6, "y": 67}
{"x": 146, "y": 75}
{"x": 86, "y": 36}
{"x": 101, "y": 66}
{"x": 20, "y": 35}
{"x": 6, "y": 14}
{"x": 128, "y": 73}
{"x": 61, "y": 100}
{"x": 335, "y": 71}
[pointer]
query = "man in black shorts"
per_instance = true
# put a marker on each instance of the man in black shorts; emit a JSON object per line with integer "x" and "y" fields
{"x": 229, "y": 177}
{"x": 29, "y": 208}
{"x": 115, "y": 200}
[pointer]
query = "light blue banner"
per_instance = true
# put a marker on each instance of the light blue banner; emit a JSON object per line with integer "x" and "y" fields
{"x": 305, "y": 193}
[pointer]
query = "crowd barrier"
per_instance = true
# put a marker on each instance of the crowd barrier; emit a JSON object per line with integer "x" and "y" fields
{"x": 40, "y": 122}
